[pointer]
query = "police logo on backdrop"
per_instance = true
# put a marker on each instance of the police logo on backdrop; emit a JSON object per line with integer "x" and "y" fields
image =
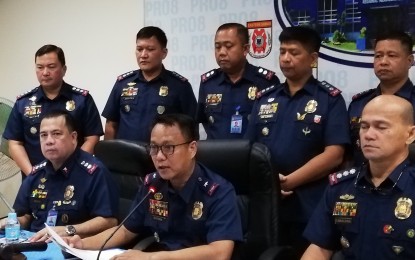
{"x": 260, "y": 38}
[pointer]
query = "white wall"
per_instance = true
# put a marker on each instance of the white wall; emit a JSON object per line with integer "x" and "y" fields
{"x": 97, "y": 36}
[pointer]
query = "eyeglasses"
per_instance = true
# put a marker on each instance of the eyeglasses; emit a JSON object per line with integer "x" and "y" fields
{"x": 166, "y": 149}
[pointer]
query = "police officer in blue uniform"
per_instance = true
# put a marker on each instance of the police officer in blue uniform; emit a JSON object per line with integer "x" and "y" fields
{"x": 138, "y": 96}
{"x": 70, "y": 190}
{"x": 192, "y": 214}
{"x": 392, "y": 60}
{"x": 22, "y": 129}
{"x": 366, "y": 212}
{"x": 227, "y": 94}
{"x": 304, "y": 124}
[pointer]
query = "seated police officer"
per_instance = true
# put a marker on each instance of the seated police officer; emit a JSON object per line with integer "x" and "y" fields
{"x": 70, "y": 190}
{"x": 193, "y": 212}
{"x": 366, "y": 211}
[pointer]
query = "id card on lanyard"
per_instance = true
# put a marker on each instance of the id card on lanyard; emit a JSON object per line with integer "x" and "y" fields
{"x": 236, "y": 122}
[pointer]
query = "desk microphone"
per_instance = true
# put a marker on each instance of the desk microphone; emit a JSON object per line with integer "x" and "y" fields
{"x": 7, "y": 250}
{"x": 151, "y": 189}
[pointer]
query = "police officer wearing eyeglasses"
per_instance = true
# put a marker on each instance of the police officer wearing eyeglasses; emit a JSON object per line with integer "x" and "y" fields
{"x": 366, "y": 212}
{"x": 193, "y": 213}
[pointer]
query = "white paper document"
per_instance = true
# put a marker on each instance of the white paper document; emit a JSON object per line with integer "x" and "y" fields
{"x": 80, "y": 253}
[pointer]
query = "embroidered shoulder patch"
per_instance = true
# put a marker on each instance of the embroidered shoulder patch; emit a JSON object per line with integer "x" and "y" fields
{"x": 81, "y": 91}
{"x": 89, "y": 167}
{"x": 363, "y": 94}
{"x": 125, "y": 75}
{"x": 37, "y": 167}
{"x": 340, "y": 176}
{"x": 209, "y": 75}
{"x": 207, "y": 186}
{"x": 265, "y": 73}
{"x": 265, "y": 91}
{"x": 177, "y": 75}
{"x": 27, "y": 93}
{"x": 333, "y": 91}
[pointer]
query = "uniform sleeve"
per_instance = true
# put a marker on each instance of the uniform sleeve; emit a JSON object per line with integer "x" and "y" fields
{"x": 188, "y": 101}
{"x": 224, "y": 221}
{"x": 91, "y": 122}
{"x": 103, "y": 196}
{"x": 337, "y": 125}
{"x": 321, "y": 229}
{"x": 201, "y": 116}
{"x": 135, "y": 223}
{"x": 112, "y": 107}
{"x": 14, "y": 128}
{"x": 21, "y": 204}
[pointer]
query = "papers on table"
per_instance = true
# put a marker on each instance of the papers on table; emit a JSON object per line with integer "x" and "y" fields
{"x": 80, "y": 253}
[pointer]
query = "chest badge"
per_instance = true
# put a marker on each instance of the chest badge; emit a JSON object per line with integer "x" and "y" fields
{"x": 403, "y": 208}
{"x": 252, "y": 92}
{"x": 158, "y": 196}
{"x": 69, "y": 191}
{"x": 70, "y": 105}
{"x": 197, "y": 211}
{"x": 164, "y": 91}
{"x": 310, "y": 108}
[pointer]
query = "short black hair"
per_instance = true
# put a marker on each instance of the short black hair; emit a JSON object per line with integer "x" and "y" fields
{"x": 241, "y": 30}
{"x": 186, "y": 124}
{"x": 150, "y": 31}
{"x": 48, "y": 48}
{"x": 307, "y": 36}
{"x": 401, "y": 36}
{"x": 70, "y": 122}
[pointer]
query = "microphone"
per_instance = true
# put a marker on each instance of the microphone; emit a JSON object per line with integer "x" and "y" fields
{"x": 7, "y": 250}
{"x": 151, "y": 189}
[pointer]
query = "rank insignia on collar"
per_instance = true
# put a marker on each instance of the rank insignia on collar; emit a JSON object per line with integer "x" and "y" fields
{"x": 347, "y": 197}
{"x": 197, "y": 210}
{"x": 403, "y": 208}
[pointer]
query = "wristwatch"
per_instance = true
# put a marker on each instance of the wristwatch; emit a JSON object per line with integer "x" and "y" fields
{"x": 70, "y": 230}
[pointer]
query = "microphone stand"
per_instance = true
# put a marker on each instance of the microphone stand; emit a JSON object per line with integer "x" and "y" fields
{"x": 150, "y": 190}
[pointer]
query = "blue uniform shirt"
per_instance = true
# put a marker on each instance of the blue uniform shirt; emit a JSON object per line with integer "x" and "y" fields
{"x": 296, "y": 129}
{"x": 24, "y": 121}
{"x": 81, "y": 189}
{"x": 134, "y": 102}
{"x": 204, "y": 211}
{"x": 367, "y": 222}
{"x": 407, "y": 91}
{"x": 219, "y": 99}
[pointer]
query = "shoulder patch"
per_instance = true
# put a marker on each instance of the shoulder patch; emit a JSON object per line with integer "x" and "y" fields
{"x": 81, "y": 91}
{"x": 151, "y": 178}
{"x": 340, "y": 176}
{"x": 363, "y": 93}
{"x": 265, "y": 91}
{"x": 333, "y": 91}
{"x": 125, "y": 75}
{"x": 37, "y": 167}
{"x": 207, "y": 186}
{"x": 89, "y": 167}
{"x": 177, "y": 75}
{"x": 265, "y": 73}
{"x": 209, "y": 75}
{"x": 27, "y": 93}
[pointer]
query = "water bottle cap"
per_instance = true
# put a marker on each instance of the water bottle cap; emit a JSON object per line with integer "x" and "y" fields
{"x": 12, "y": 215}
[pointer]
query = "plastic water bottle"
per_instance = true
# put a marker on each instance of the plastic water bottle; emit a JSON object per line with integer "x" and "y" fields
{"x": 12, "y": 228}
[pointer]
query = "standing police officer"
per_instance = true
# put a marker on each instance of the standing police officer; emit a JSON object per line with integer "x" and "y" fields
{"x": 304, "y": 124}
{"x": 392, "y": 60}
{"x": 70, "y": 190}
{"x": 138, "y": 96}
{"x": 226, "y": 95}
{"x": 366, "y": 212}
{"x": 22, "y": 129}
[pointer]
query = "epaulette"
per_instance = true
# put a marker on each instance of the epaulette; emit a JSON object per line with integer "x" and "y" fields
{"x": 125, "y": 75}
{"x": 265, "y": 73}
{"x": 81, "y": 91}
{"x": 37, "y": 167}
{"x": 151, "y": 178}
{"x": 363, "y": 93}
{"x": 207, "y": 186}
{"x": 27, "y": 93}
{"x": 340, "y": 176}
{"x": 209, "y": 75}
{"x": 89, "y": 167}
{"x": 333, "y": 91}
{"x": 265, "y": 91}
{"x": 177, "y": 75}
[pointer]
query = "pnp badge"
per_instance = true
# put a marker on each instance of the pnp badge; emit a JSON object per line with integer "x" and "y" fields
{"x": 403, "y": 208}
{"x": 164, "y": 91}
{"x": 69, "y": 191}
{"x": 70, "y": 105}
{"x": 252, "y": 92}
{"x": 158, "y": 196}
{"x": 197, "y": 210}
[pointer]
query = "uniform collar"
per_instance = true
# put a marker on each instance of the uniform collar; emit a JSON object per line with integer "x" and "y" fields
{"x": 64, "y": 91}
{"x": 162, "y": 76}
{"x": 186, "y": 192}
{"x": 398, "y": 176}
{"x": 405, "y": 91}
{"x": 249, "y": 74}
{"x": 67, "y": 166}
{"x": 309, "y": 87}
